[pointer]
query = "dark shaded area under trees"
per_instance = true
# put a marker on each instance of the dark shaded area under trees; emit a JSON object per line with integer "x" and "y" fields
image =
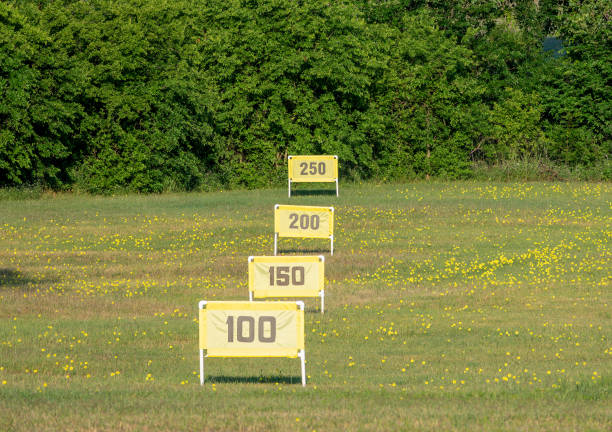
{"x": 154, "y": 95}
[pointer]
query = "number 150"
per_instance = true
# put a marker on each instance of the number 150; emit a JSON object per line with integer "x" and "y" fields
{"x": 283, "y": 276}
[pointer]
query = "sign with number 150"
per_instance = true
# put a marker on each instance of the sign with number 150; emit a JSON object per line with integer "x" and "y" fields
{"x": 287, "y": 276}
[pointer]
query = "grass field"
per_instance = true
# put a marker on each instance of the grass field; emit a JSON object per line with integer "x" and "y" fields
{"x": 449, "y": 306}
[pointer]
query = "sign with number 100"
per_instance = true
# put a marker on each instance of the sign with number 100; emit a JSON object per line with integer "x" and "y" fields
{"x": 264, "y": 334}
{"x": 251, "y": 329}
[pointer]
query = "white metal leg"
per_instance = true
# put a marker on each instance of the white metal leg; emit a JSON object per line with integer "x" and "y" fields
{"x": 275, "y": 241}
{"x": 302, "y": 356}
{"x": 289, "y": 188}
{"x": 201, "y": 367}
{"x": 322, "y": 294}
{"x": 332, "y": 244}
{"x": 250, "y": 295}
{"x": 336, "y": 187}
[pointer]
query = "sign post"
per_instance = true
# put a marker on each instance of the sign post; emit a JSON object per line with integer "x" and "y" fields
{"x": 313, "y": 169}
{"x": 251, "y": 329}
{"x": 287, "y": 276}
{"x": 303, "y": 221}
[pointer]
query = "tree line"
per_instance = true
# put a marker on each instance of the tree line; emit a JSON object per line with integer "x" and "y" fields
{"x": 154, "y": 95}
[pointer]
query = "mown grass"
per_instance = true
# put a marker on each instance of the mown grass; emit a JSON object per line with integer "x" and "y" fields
{"x": 449, "y": 306}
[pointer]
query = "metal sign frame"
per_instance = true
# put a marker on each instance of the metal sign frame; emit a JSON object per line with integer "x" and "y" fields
{"x": 293, "y": 179}
{"x": 278, "y": 207}
{"x": 278, "y": 292}
{"x": 298, "y": 352}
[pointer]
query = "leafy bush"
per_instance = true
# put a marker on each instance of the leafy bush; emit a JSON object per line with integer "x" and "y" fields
{"x": 150, "y": 96}
{"x": 36, "y": 123}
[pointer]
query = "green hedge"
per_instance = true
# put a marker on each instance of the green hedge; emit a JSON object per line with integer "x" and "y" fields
{"x": 154, "y": 95}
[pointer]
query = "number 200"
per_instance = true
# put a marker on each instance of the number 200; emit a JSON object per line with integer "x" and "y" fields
{"x": 305, "y": 221}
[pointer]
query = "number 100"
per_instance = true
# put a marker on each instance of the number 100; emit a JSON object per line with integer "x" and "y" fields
{"x": 248, "y": 323}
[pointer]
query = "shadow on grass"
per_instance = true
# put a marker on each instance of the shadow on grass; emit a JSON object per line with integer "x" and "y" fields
{"x": 304, "y": 251}
{"x": 316, "y": 309}
{"x": 312, "y": 192}
{"x": 313, "y": 307}
{"x": 10, "y": 278}
{"x": 254, "y": 380}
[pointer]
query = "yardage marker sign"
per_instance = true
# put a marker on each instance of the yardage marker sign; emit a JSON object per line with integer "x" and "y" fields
{"x": 313, "y": 169}
{"x": 287, "y": 276}
{"x": 303, "y": 221}
{"x": 251, "y": 329}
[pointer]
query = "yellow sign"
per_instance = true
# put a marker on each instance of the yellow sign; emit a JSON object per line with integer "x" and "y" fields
{"x": 288, "y": 276}
{"x": 303, "y": 221}
{"x": 251, "y": 329}
{"x": 311, "y": 168}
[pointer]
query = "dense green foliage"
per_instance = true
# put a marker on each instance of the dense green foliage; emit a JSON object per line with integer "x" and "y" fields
{"x": 157, "y": 95}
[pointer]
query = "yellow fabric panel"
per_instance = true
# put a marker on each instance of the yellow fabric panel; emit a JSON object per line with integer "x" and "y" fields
{"x": 202, "y": 325}
{"x": 251, "y": 306}
{"x": 286, "y": 279}
{"x": 300, "y": 328}
{"x": 304, "y": 221}
{"x": 266, "y": 331}
{"x": 278, "y": 292}
{"x": 313, "y": 168}
{"x": 303, "y": 207}
{"x": 286, "y": 259}
{"x": 270, "y": 352}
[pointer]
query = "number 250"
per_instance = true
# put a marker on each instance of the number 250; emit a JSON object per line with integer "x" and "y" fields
{"x": 314, "y": 168}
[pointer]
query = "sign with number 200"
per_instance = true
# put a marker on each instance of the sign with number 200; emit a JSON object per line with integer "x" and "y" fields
{"x": 303, "y": 221}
